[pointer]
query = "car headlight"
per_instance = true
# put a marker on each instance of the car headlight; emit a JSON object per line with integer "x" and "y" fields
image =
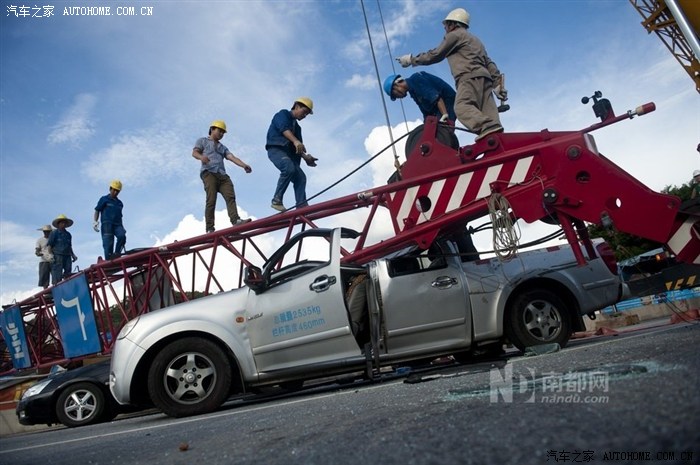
{"x": 36, "y": 389}
{"x": 127, "y": 328}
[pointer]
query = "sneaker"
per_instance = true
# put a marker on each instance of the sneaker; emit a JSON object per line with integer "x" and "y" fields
{"x": 241, "y": 221}
{"x": 278, "y": 206}
{"x": 490, "y": 130}
{"x": 210, "y": 230}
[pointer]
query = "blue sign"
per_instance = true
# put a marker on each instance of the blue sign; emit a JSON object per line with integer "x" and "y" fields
{"x": 76, "y": 319}
{"x": 13, "y": 331}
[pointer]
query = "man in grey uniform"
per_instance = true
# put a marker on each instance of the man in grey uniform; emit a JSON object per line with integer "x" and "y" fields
{"x": 476, "y": 76}
{"x": 212, "y": 153}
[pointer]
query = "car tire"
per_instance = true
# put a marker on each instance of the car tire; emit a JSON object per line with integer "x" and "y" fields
{"x": 537, "y": 317}
{"x": 81, "y": 404}
{"x": 190, "y": 376}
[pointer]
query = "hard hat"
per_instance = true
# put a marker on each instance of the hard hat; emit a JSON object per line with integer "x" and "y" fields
{"x": 389, "y": 84}
{"x": 60, "y": 218}
{"x": 46, "y": 227}
{"x": 116, "y": 185}
{"x": 307, "y": 102}
{"x": 218, "y": 124}
{"x": 696, "y": 173}
{"x": 458, "y": 15}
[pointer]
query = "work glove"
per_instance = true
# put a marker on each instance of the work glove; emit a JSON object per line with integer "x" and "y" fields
{"x": 96, "y": 226}
{"x": 299, "y": 148}
{"x": 311, "y": 161}
{"x": 405, "y": 60}
{"x": 501, "y": 93}
{"x": 444, "y": 118}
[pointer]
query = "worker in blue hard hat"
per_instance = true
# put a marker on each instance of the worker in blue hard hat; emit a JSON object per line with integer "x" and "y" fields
{"x": 432, "y": 95}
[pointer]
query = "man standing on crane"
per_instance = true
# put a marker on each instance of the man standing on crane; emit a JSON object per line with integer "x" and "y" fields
{"x": 476, "y": 75}
{"x": 432, "y": 95}
{"x": 110, "y": 208}
{"x": 285, "y": 149}
{"x": 60, "y": 244}
{"x": 212, "y": 154}
{"x": 42, "y": 251}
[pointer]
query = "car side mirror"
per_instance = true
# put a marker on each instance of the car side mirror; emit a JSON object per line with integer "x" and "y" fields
{"x": 253, "y": 278}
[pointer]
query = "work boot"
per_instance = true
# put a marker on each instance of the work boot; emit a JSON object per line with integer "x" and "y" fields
{"x": 489, "y": 130}
{"x": 278, "y": 206}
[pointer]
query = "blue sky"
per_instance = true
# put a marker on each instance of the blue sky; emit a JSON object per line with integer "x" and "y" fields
{"x": 86, "y": 99}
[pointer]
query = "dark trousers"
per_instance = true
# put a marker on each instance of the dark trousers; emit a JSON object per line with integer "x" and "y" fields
{"x": 217, "y": 183}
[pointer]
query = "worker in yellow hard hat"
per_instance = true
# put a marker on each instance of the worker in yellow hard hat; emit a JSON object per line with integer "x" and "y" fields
{"x": 109, "y": 208}
{"x": 212, "y": 153}
{"x": 476, "y": 76}
{"x": 285, "y": 149}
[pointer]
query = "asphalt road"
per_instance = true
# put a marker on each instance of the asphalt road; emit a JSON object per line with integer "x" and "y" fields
{"x": 632, "y": 398}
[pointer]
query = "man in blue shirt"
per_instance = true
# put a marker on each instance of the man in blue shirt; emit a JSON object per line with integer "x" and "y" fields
{"x": 432, "y": 95}
{"x": 110, "y": 207}
{"x": 285, "y": 149}
{"x": 60, "y": 244}
{"x": 212, "y": 153}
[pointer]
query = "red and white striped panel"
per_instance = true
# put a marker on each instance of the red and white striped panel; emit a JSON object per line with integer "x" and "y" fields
{"x": 449, "y": 194}
{"x": 685, "y": 243}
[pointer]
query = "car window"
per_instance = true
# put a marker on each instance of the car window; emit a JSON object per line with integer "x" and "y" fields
{"x": 419, "y": 260}
{"x": 307, "y": 254}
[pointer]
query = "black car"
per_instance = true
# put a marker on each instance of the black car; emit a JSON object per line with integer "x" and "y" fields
{"x": 76, "y": 397}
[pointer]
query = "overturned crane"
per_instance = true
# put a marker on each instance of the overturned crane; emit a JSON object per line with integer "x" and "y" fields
{"x": 547, "y": 175}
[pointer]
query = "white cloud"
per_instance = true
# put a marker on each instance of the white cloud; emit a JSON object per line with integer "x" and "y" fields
{"x": 365, "y": 82}
{"x": 75, "y": 125}
{"x": 139, "y": 158}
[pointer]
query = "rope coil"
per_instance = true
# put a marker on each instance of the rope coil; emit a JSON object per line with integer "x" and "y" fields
{"x": 505, "y": 234}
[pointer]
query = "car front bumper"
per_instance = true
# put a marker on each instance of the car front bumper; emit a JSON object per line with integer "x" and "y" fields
{"x": 125, "y": 358}
{"x": 36, "y": 410}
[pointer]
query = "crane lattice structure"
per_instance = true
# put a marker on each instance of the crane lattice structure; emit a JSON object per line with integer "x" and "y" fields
{"x": 676, "y": 23}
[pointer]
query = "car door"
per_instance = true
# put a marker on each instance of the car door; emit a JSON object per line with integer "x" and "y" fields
{"x": 300, "y": 317}
{"x": 424, "y": 302}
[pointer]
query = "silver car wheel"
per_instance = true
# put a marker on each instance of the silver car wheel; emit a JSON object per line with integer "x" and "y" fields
{"x": 542, "y": 320}
{"x": 80, "y": 404}
{"x": 538, "y": 316}
{"x": 189, "y": 378}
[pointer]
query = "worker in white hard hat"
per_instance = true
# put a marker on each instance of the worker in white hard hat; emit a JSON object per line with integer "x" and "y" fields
{"x": 212, "y": 153}
{"x": 60, "y": 244}
{"x": 476, "y": 76}
{"x": 285, "y": 149}
{"x": 109, "y": 210}
{"x": 695, "y": 193}
{"x": 41, "y": 250}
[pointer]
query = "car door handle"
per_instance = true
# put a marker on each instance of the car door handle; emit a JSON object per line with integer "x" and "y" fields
{"x": 322, "y": 283}
{"x": 444, "y": 282}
